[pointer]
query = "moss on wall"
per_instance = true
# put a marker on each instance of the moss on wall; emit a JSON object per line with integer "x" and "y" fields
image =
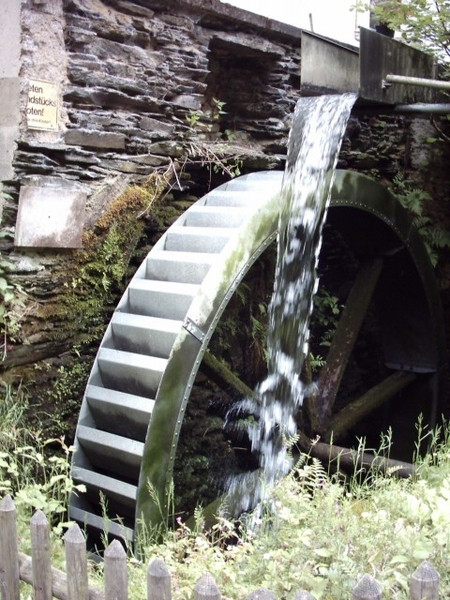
{"x": 87, "y": 290}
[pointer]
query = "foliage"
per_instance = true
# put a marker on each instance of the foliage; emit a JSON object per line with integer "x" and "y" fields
{"x": 422, "y": 23}
{"x": 202, "y": 143}
{"x": 100, "y": 268}
{"x": 414, "y": 200}
{"x": 323, "y": 536}
{"x": 315, "y": 533}
{"x": 60, "y": 402}
{"x": 36, "y": 480}
{"x": 96, "y": 277}
{"x": 12, "y": 410}
{"x": 36, "y": 472}
{"x": 320, "y": 535}
{"x": 200, "y": 119}
{"x": 12, "y": 297}
{"x": 324, "y": 321}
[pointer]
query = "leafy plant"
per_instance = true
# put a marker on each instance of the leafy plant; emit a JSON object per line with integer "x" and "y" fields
{"x": 204, "y": 119}
{"x": 36, "y": 472}
{"x": 422, "y": 23}
{"x": 320, "y": 535}
{"x": 12, "y": 410}
{"x": 326, "y": 314}
{"x": 12, "y": 304}
{"x": 203, "y": 146}
{"x": 414, "y": 200}
{"x": 324, "y": 321}
{"x": 315, "y": 533}
{"x": 35, "y": 479}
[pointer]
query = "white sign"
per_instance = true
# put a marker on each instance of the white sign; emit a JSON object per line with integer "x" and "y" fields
{"x": 42, "y": 106}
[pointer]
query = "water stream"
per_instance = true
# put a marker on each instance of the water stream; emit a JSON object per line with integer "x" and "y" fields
{"x": 318, "y": 127}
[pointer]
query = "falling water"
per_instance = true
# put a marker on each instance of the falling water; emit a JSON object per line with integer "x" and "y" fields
{"x": 318, "y": 127}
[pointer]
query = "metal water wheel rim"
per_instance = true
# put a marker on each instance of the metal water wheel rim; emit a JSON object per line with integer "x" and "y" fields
{"x": 147, "y": 361}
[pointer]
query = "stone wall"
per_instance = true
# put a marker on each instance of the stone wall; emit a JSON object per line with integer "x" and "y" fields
{"x": 146, "y": 89}
{"x": 154, "y": 93}
{"x": 130, "y": 74}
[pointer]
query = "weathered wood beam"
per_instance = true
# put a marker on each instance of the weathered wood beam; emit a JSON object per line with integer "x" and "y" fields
{"x": 59, "y": 580}
{"x": 360, "y": 408}
{"x": 27, "y": 354}
{"x": 344, "y": 340}
{"x": 223, "y": 376}
{"x": 350, "y": 460}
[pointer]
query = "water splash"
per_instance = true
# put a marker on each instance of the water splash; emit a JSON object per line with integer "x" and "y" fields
{"x": 314, "y": 142}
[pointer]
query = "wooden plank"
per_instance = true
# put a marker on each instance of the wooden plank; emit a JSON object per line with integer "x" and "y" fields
{"x": 115, "y": 572}
{"x": 59, "y": 580}
{"x": 344, "y": 340}
{"x": 425, "y": 582}
{"x": 206, "y": 588}
{"x": 9, "y": 553}
{"x": 76, "y": 564}
{"x": 363, "y": 406}
{"x": 41, "y": 556}
{"x": 159, "y": 585}
{"x": 367, "y": 588}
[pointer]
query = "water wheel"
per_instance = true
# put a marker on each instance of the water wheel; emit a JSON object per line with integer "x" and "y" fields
{"x": 142, "y": 378}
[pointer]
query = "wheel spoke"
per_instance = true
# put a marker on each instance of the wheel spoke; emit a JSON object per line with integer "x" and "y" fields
{"x": 344, "y": 340}
{"x": 365, "y": 404}
{"x": 218, "y": 372}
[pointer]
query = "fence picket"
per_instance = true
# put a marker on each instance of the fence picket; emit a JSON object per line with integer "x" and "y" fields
{"x": 206, "y": 588}
{"x": 367, "y": 588}
{"x": 425, "y": 582}
{"x": 115, "y": 570}
{"x": 159, "y": 581}
{"x": 76, "y": 564}
{"x": 9, "y": 551}
{"x": 41, "y": 556}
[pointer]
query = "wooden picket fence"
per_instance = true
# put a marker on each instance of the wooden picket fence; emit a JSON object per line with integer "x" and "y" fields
{"x": 48, "y": 582}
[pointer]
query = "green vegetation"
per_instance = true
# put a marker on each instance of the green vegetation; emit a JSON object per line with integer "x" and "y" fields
{"x": 11, "y": 300}
{"x": 324, "y": 321}
{"x": 414, "y": 200}
{"x": 319, "y": 532}
{"x": 101, "y": 267}
{"x": 60, "y": 401}
{"x": 207, "y": 144}
{"x": 96, "y": 278}
{"x": 422, "y": 23}
{"x": 33, "y": 470}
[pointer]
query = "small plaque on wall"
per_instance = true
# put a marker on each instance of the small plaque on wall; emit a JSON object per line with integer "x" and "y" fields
{"x": 42, "y": 105}
{"x": 50, "y": 217}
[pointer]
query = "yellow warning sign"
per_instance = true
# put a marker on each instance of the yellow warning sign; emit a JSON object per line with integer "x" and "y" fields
{"x": 42, "y": 105}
